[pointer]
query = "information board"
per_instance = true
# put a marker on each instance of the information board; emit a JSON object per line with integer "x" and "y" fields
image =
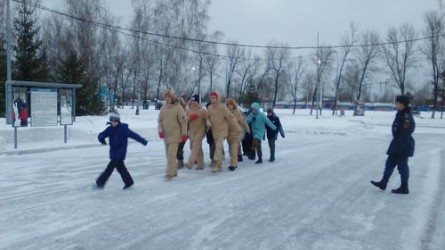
{"x": 44, "y": 107}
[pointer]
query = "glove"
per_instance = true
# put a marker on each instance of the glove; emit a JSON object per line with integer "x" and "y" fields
{"x": 184, "y": 138}
{"x": 103, "y": 142}
{"x": 194, "y": 116}
{"x": 161, "y": 135}
{"x": 253, "y": 118}
{"x": 145, "y": 143}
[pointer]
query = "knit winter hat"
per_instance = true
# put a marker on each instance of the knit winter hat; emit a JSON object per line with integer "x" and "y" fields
{"x": 195, "y": 98}
{"x": 114, "y": 116}
{"x": 403, "y": 99}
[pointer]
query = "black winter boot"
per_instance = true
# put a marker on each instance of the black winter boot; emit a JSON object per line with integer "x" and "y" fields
{"x": 240, "y": 158}
{"x": 379, "y": 184}
{"x": 259, "y": 161}
{"x": 272, "y": 159}
{"x": 403, "y": 189}
{"x": 252, "y": 156}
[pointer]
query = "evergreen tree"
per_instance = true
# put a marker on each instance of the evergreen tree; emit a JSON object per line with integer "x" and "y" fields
{"x": 73, "y": 71}
{"x": 30, "y": 64}
{"x": 251, "y": 95}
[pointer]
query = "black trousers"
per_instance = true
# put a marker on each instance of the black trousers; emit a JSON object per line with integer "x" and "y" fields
{"x": 402, "y": 165}
{"x": 180, "y": 152}
{"x": 120, "y": 166}
{"x": 247, "y": 144}
{"x": 271, "y": 147}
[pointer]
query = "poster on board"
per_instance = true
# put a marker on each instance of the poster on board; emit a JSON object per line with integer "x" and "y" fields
{"x": 66, "y": 106}
{"x": 44, "y": 107}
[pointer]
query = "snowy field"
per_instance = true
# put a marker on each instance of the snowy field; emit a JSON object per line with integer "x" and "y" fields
{"x": 316, "y": 195}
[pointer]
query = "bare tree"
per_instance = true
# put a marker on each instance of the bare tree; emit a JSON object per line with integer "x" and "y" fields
{"x": 322, "y": 58}
{"x": 351, "y": 80}
{"x": 433, "y": 49}
{"x": 143, "y": 18}
{"x": 234, "y": 55}
{"x": 367, "y": 54}
{"x": 295, "y": 72}
{"x": 276, "y": 59}
{"x": 211, "y": 61}
{"x": 246, "y": 71}
{"x": 308, "y": 85}
{"x": 400, "y": 53}
{"x": 348, "y": 42}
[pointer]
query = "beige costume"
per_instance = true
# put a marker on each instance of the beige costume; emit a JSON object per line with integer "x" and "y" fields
{"x": 172, "y": 125}
{"x": 197, "y": 117}
{"x": 234, "y": 137}
{"x": 219, "y": 118}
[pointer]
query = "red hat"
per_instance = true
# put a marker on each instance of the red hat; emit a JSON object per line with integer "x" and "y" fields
{"x": 213, "y": 93}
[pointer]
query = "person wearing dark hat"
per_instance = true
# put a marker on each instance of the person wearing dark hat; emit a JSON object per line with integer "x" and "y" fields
{"x": 401, "y": 147}
{"x": 118, "y": 134}
{"x": 272, "y": 135}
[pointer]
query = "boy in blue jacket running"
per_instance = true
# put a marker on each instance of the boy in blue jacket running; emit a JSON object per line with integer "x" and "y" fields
{"x": 118, "y": 134}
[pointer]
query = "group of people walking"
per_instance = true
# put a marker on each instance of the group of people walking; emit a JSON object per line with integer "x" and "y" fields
{"x": 179, "y": 121}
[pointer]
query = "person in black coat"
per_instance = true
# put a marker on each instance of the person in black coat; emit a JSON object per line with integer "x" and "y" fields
{"x": 401, "y": 147}
{"x": 272, "y": 135}
{"x": 118, "y": 134}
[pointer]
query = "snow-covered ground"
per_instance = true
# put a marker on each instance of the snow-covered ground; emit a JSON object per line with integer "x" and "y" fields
{"x": 316, "y": 195}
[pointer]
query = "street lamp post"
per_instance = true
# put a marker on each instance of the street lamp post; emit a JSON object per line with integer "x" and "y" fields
{"x": 8, "y": 87}
{"x": 318, "y": 75}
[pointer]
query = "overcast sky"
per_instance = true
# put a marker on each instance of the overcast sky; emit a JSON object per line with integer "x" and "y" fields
{"x": 296, "y": 22}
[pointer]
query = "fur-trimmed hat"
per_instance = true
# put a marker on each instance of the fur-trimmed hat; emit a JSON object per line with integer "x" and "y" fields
{"x": 403, "y": 99}
{"x": 195, "y": 98}
{"x": 231, "y": 101}
{"x": 214, "y": 94}
{"x": 169, "y": 93}
{"x": 114, "y": 116}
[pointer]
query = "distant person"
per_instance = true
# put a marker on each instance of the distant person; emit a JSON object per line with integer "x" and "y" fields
{"x": 272, "y": 135}
{"x": 24, "y": 115}
{"x": 401, "y": 147}
{"x": 17, "y": 111}
{"x": 257, "y": 120}
{"x": 172, "y": 128}
{"x": 118, "y": 134}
